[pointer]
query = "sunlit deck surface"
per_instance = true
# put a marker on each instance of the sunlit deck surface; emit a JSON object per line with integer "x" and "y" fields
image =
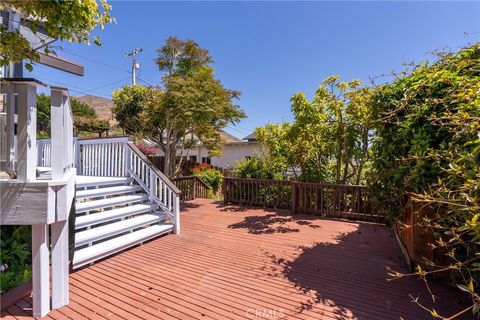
{"x": 232, "y": 262}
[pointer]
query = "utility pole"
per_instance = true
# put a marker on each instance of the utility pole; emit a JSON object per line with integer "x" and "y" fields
{"x": 135, "y": 65}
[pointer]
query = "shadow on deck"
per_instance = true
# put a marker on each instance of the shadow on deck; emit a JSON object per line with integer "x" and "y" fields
{"x": 245, "y": 263}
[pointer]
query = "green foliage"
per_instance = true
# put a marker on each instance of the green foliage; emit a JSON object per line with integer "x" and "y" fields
{"x": 255, "y": 168}
{"x": 428, "y": 145}
{"x": 87, "y": 124}
{"x": 84, "y": 117}
{"x": 212, "y": 177}
{"x": 278, "y": 150}
{"x": 43, "y": 114}
{"x": 64, "y": 20}
{"x": 15, "y": 257}
{"x": 127, "y": 107}
{"x": 328, "y": 139}
{"x": 191, "y": 105}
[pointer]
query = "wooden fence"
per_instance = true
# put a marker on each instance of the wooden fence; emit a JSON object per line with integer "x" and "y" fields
{"x": 192, "y": 187}
{"x": 330, "y": 200}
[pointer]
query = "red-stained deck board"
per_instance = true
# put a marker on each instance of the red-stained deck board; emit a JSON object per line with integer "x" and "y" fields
{"x": 243, "y": 263}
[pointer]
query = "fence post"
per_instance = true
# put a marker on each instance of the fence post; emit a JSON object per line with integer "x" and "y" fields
{"x": 194, "y": 187}
{"x": 294, "y": 196}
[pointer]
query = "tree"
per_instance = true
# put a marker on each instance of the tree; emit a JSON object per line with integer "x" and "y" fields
{"x": 64, "y": 20}
{"x": 84, "y": 117}
{"x": 190, "y": 105}
{"x": 278, "y": 151}
{"x": 128, "y": 103}
{"x": 329, "y": 137}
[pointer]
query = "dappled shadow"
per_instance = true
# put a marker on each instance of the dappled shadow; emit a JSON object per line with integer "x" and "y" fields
{"x": 277, "y": 222}
{"x": 186, "y": 205}
{"x": 348, "y": 276}
{"x": 224, "y": 208}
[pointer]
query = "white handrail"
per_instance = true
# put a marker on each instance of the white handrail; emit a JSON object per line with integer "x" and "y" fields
{"x": 102, "y": 157}
{"x": 117, "y": 157}
{"x": 161, "y": 190}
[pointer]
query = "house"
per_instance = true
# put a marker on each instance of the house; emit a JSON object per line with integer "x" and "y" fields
{"x": 233, "y": 150}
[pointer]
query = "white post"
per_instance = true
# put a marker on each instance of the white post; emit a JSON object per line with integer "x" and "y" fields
{"x": 60, "y": 296}
{"x": 40, "y": 270}
{"x": 10, "y": 127}
{"x": 58, "y": 148}
{"x": 77, "y": 156}
{"x": 128, "y": 159}
{"x": 27, "y": 131}
{"x": 177, "y": 214}
{"x": 61, "y": 149}
{"x": 68, "y": 129}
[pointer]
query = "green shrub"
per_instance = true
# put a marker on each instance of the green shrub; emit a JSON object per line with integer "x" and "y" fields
{"x": 15, "y": 257}
{"x": 255, "y": 168}
{"x": 212, "y": 177}
{"x": 428, "y": 145}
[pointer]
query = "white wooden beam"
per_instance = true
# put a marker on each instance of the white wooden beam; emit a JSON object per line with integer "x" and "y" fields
{"x": 60, "y": 295}
{"x": 57, "y": 134}
{"x": 26, "y": 131}
{"x": 40, "y": 270}
{"x": 10, "y": 126}
{"x": 177, "y": 213}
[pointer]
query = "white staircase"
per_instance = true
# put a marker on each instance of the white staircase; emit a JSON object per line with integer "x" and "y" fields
{"x": 112, "y": 214}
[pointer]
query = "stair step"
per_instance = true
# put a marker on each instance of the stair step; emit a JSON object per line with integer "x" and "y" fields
{"x": 92, "y": 193}
{"x": 105, "y": 216}
{"x": 93, "y": 181}
{"x": 106, "y": 231}
{"x": 106, "y": 248}
{"x": 109, "y": 202}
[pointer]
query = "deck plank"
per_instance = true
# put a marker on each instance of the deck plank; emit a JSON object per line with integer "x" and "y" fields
{"x": 241, "y": 263}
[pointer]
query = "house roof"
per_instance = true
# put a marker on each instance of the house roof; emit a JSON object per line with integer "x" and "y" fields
{"x": 227, "y": 137}
{"x": 250, "y": 137}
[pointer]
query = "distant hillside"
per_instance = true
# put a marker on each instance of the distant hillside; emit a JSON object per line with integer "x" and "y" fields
{"x": 102, "y": 106}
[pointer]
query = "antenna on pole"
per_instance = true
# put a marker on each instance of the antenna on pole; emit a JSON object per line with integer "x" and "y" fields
{"x": 135, "y": 65}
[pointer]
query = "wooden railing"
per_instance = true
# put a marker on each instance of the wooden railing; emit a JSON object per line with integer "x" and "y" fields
{"x": 102, "y": 157}
{"x": 330, "y": 200}
{"x": 192, "y": 187}
{"x": 258, "y": 192}
{"x": 154, "y": 182}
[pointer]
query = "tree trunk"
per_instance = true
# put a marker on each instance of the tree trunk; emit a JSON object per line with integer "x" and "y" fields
{"x": 339, "y": 152}
{"x": 166, "y": 160}
{"x": 364, "y": 155}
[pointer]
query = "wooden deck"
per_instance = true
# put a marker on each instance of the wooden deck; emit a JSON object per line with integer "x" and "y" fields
{"x": 231, "y": 262}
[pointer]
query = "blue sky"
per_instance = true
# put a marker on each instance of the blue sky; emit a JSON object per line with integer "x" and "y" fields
{"x": 270, "y": 50}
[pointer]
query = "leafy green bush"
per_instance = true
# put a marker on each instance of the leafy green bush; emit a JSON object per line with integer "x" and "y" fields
{"x": 255, "y": 168}
{"x": 212, "y": 177}
{"x": 428, "y": 145}
{"x": 15, "y": 257}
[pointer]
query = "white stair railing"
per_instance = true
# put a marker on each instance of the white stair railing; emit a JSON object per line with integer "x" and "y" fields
{"x": 102, "y": 157}
{"x": 161, "y": 190}
{"x": 117, "y": 157}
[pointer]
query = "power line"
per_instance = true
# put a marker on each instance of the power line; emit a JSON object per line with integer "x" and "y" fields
{"x": 145, "y": 82}
{"x": 240, "y": 129}
{"x": 96, "y": 61}
{"x": 235, "y": 130}
{"x": 81, "y": 91}
{"x": 109, "y": 84}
